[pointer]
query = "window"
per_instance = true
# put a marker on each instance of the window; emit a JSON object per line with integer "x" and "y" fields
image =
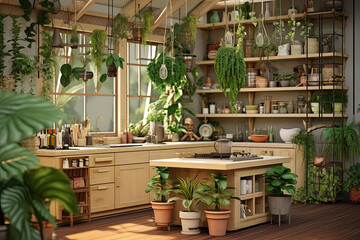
{"x": 91, "y": 99}
{"x": 140, "y": 90}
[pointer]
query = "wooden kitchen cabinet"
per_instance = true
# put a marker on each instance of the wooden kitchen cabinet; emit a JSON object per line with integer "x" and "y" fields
{"x": 97, "y": 160}
{"x": 100, "y": 175}
{"x": 172, "y": 153}
{"x": 102, "y": 197}
{"x": 131, "y": 157}
{"x": 130, "y": 183}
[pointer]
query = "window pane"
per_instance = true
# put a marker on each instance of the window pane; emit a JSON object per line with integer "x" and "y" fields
{"x": 72, "y": 106}
{"x": 133, "y": 80}
{"x": 145, "y": 54}
{"x": 145, "y": 88}
{"x": 101, "y": 108}
{"x": 133, "y": 53}
{"x": 136, "y": 109}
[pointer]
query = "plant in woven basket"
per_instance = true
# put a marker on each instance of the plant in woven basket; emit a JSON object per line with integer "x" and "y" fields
{"x": 230, "y": 70}
{"x": 74, "y": 38}
{"x": 25, "y": 188}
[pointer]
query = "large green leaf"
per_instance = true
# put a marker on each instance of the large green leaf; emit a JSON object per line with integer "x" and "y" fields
{"x": 289, "y": 176}
{"x": 15, "y": 203}
{"x": 15, "y": 160}
{"x": 22, "y": 115}
{"x": 289, "y": 189}
{"x": 53, "y": 184}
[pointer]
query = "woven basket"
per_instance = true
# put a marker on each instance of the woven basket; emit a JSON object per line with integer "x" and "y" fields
{"x": 7, "y": 83}
{"x": 30, "y": 143}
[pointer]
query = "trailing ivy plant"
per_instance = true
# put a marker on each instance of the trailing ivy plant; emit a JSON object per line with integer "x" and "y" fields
{"x": 176, "y": 72}
{"x": 2, "y": 45}
{"x": 148, "y": 19}
{"x": 98, "y": 40}
{"x": 48, "y": 64}
{"x": 230, "y": 70}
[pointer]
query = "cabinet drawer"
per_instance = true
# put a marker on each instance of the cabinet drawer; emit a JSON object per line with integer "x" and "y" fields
{"x": 101, "y": 160}
{"x": 240, "y": 149}
{"x": 172, "y": 153}
{"x": 101, "y": 175}
{"x": 102, "y": 197}
{"x": 131, "y": 157}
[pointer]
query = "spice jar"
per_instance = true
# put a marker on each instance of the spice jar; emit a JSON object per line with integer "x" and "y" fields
{"x": 290, "y": 107}
{"x": 81, "y": 162}
{"x": 282, "y": 108}
{"x": 65, "y": 163}
{"x": 249, "y": 45}
{"x": 262, "y": 107}
{"x": 74, "y": 163}
{"x": 212, "y": 108}
{"x": 86, "y": 161}
{"x": 275, "y": 106}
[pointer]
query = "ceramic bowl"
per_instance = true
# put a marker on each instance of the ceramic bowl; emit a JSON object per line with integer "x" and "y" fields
{"x": 259, "y": 138}
{"x": 252, "y": 107}
{"x": 288, "y": 134}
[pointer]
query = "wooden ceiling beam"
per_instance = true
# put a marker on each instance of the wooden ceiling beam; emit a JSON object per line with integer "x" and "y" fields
{"x": 82, "y": 11}
{"x": 129, "y": 9}
{"x": 176, "y": 5}
{"x": 204, "y": 7}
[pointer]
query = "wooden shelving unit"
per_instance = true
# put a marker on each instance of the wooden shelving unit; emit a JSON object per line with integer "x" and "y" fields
{"x": 288, "y": 115}
{"x": 82, "y": 194}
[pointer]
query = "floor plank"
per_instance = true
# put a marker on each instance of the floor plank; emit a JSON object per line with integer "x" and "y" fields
{"x": 325, "y": 221}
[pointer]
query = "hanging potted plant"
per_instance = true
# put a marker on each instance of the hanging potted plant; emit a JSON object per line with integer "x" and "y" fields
{"x": 352, "y": 184}
{"x": 113, "y": 62}
{"x": 216, "y": 193}
{"x": 280, "y": 179}
{"x": 148, "y": 19}
{"x": 120, "y": 27}
{"x": 188, "y": 39}
{"x": 98, "y": 40}
{"x": 86, "y": 75}
{"x": 74, "y": 38}
{"x": 186, "y": 190}
{"x": 161, "y": 186}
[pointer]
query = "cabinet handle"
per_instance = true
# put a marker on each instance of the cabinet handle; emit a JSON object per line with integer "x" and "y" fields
{"x": 100, "y": 171}
{"x": 104, "y": 159}
{"x": 101, "y": 188}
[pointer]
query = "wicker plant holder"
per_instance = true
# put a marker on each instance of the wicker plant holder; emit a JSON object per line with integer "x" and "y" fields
{"x": 7, "y": 83}
{"x": 30, "y": 143}
{"x": 136, "y": 32}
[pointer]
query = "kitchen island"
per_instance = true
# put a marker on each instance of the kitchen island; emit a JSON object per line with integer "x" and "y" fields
{"x": 250, "y": 170}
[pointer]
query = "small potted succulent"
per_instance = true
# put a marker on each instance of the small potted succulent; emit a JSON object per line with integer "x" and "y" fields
{"x": 161, "y": 186}
{"x": 186, "y": 191}
{"x": 327, "y": 42}
{"x": 352, "y": 184}
{"x": 286, "y": 79}
{"x": 315, "y": 103}
{"x": 176, "y": 129}
{"x": 280, "y": 179}
{"x": 139, "y": 132}
{"x": 216, "y": 193}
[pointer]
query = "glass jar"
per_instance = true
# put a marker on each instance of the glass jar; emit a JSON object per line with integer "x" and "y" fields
{"x": 275, "y": 106}
{"x": 251, "y": 77}
{"x": 249, "y": 45}
{"x": 81, "y": 162}
{"x": 282, "y": 108}
{"x": 212, "y": 108}
{"x": 290, "y": 107}
{"x": 262, "y": 107}
{"x": 239, "y": 106}
{"x": 301, "y": 104}
{"x": 74, "y": 163}
{"x": 86, "y": 162}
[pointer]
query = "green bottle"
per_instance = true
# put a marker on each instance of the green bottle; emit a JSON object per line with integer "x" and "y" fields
{"x": 215, "y": 17}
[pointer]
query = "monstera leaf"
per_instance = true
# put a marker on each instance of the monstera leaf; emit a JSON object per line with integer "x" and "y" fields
{"x": 23, "y": 115}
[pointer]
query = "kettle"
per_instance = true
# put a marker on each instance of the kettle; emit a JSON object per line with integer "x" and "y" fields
{"x": 224, "y": 146}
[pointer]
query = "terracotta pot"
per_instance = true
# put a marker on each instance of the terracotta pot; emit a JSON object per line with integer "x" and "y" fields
{"x": 48, "y": 230}
{"x": 319, "y": 161}
{"x": 354, "y": 195}
{"x": 217, "y": 222}
{"x": 279, "y": 205}
{"x": 163, "y": 212}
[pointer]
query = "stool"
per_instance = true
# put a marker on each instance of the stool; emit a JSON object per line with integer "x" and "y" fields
{"x": 271, "y": 217}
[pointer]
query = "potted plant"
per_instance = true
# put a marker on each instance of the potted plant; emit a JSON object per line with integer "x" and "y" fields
{"x": 327, "y": 42}
{"x": 308, "y": 33}
{"x": 286, "y": 79}
{"x": 120, "y": 27}
{"x": 175, "y": 129}
{"x": 98, "y": 40}
{"x": 352, "y": 184}
{"x": 113, "y": 62}
{"x": 74, "y": 38}
{"x": 26, "y": 188}
{"x": 156, "y": 119}
{"x": 216, "y": 193}
{"x": 161, "y": 186}
{"x": 148, "y": 19}
{"x": 315, "y": 103}
{"x": 68, "y": 73}
{"x": 340, "y": 100}
{"x": 280, "y": 179}
{"x": 230, "y": 70}
{"x": 139, "y": 132}
{"x": 186, "y": 191}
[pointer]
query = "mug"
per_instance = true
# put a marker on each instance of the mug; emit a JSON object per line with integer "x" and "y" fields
{"x": 224, "y": 146}
{"x": 233, "y": 16}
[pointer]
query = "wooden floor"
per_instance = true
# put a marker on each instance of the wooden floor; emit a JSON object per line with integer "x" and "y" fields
{"x": 338, "y": 221}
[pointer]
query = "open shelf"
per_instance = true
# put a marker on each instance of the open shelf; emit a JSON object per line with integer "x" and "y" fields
{"x": 280, "y": 58}
{"x": 277, "y": 89}
{"x": 288, "y": 115}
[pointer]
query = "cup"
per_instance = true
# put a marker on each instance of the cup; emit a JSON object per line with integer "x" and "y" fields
{"x": 249, "y": 186}
{"x": 243, "y": 186}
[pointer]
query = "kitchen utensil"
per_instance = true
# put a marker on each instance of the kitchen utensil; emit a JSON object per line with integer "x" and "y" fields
{"x": 222, "y": 146}
{"x": 259, "y": 138}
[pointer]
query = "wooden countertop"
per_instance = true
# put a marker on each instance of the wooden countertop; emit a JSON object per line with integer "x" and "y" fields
{"x": 107, "y": 149}
{"x": 217, "y": 164}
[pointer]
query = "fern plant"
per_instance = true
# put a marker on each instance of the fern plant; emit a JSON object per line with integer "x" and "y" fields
{"x": 230, "y": 70}
{"x": 120, "y": 27}
{"x": 24, "y": 187}
{"x": 98, "y": 40}
{"x": 148, "y": 19}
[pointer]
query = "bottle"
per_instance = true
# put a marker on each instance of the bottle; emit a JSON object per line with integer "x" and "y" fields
{"x": 51, "y": 139}
{"x": 271, "y": 135}
{"x": 267, "y": 11}
{"x": 59, "y": 139}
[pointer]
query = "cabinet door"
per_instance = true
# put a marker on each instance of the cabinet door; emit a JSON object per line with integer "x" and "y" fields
{"x": 101, "y": 175}
{"x": 102, "y": 197}
{"x": 130, "y": 183}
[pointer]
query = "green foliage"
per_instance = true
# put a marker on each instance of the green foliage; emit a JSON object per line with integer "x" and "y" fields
{"x": 230, "y": 70}
{"x": 68, "y": 73}
{"x": 48, "y": 64}
{"x": 306, "y": 29}
{"x": 287, "y": 76}
{"x": 148, "y": 19}
{"x": 186, "y": 191}
{"x": 280, "y": 179}
{"x": 339, "y": 97}
{"x": 155, "y": 114}
{"x": 120, "y": 27}
{"x": 98, "y": 40}
{"x": 216, "y": 192}
{"x": 341, "y": 141}
{"x": 353, "y": 180}
{"x": 176, "y": 72}
{"x": 74, "y": 38}
{"x": 23, "y": 188}
{"x": 189, "y": 25}
{"x": 244, "y": 9}
{"x": 139, "y": 130}
{"x": 240, "y": 34}
{"x": 176, "y": 127}
{"x": 190, "y": 83}
{"x": 114, "y": 58}
{"x": 2, "y": 45}
{"x": 160, "y": 184}
{"x": 306, "y": 140}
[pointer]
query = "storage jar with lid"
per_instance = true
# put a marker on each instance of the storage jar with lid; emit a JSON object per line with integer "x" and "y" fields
{"x": 275, "y": 106}
{"x": 301, "y": 104}
{"x": 282, "y": 108}
{"x": 296, "y": 47}
{"x": 251, "y": 77}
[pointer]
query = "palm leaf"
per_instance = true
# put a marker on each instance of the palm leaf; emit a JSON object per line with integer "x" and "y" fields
{"x": 22, "y": 115}
{"x": 53, "y": 184}
{"x": 15, "y": 160}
